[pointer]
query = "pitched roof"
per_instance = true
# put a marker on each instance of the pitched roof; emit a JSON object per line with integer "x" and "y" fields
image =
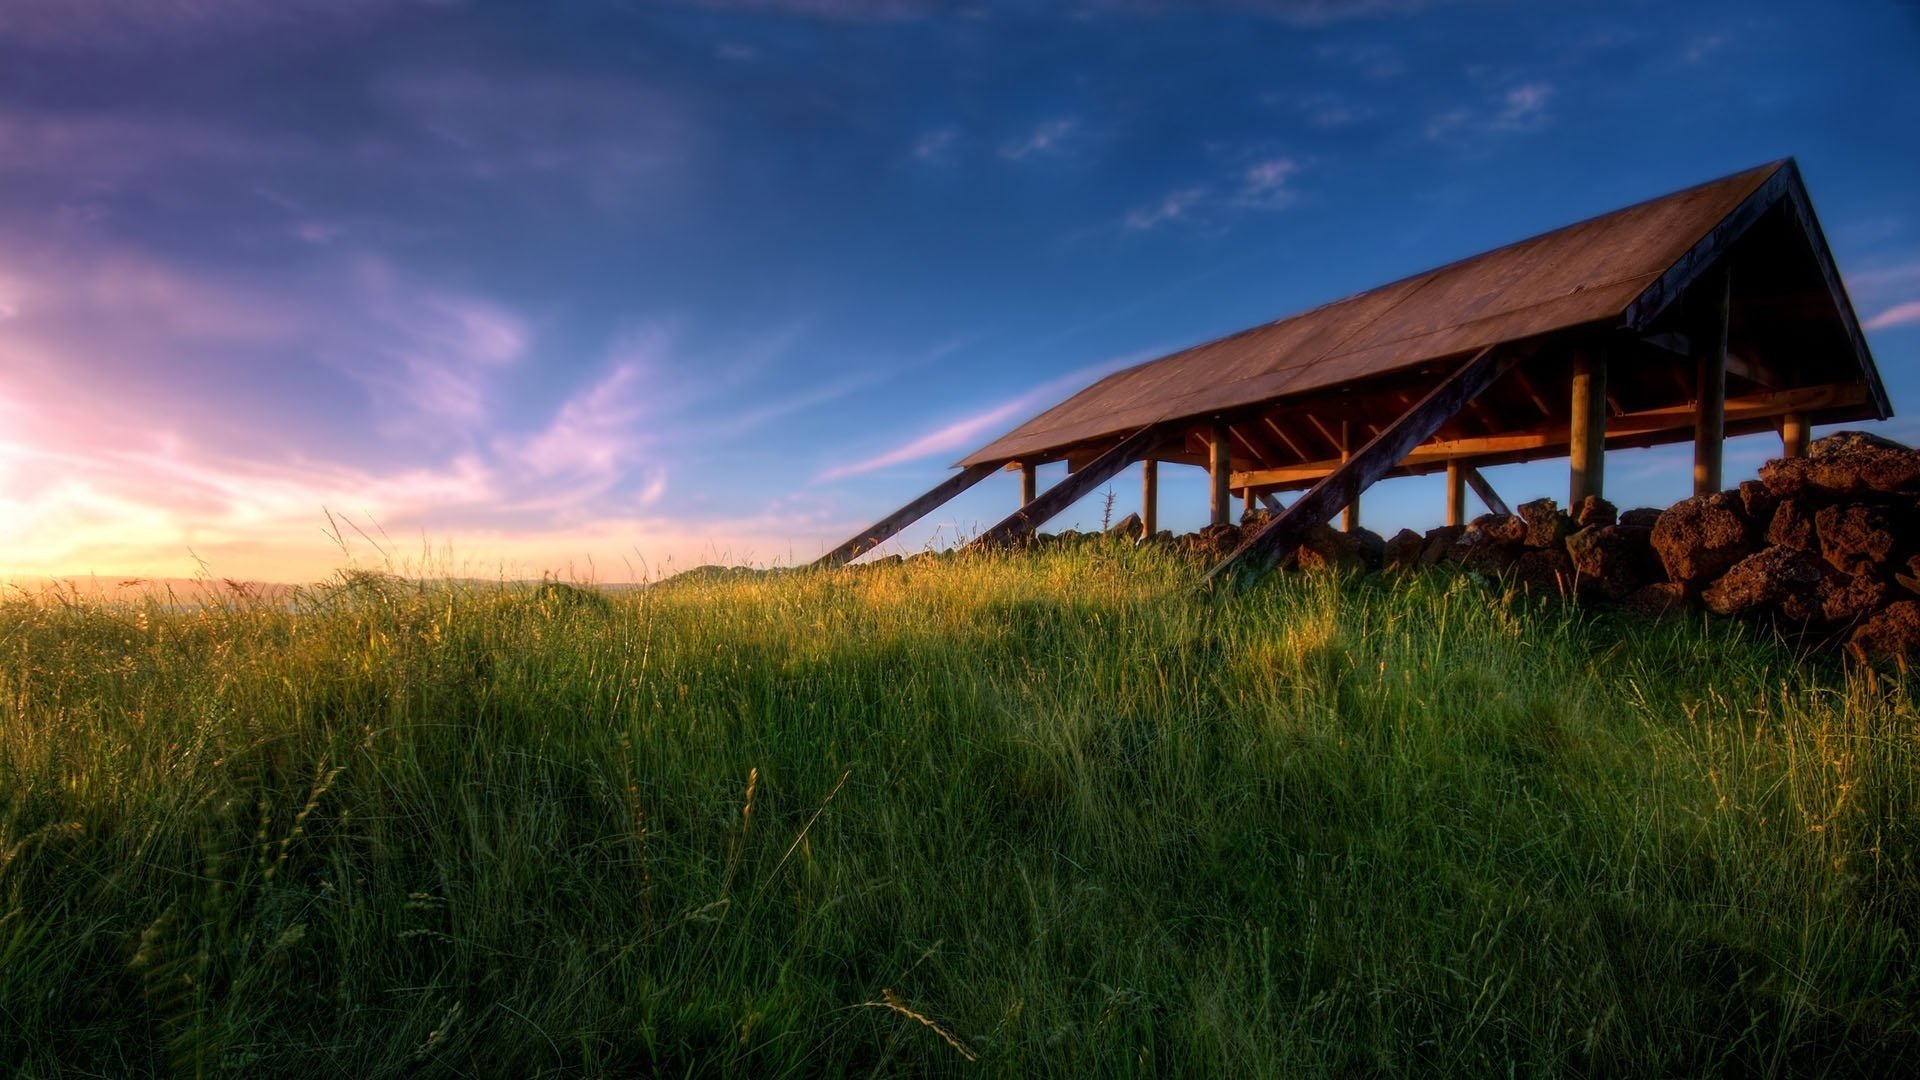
{"x": 1619, "y": 268}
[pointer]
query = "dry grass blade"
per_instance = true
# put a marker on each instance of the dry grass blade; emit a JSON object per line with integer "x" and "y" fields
{"x": 890, "y": 1000}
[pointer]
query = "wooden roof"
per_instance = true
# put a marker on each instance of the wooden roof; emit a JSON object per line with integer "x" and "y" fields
{"x": 1363, "y": 358}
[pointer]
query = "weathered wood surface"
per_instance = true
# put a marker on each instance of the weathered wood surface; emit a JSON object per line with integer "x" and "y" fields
{"x": 1029, "y": 481}
{"x": 1219, "y": 467}
{"x": 1373, "y": 460}
{"x": 1149, "y": 497}
{"x": 880, "y": 531}
{"x": 1587, "y": 436}
{"x": 1021, "y": 523}
{"x": 1793, "y": 435}
{"x": 1710, "y": 378}
{"x": 1456, "y": 492}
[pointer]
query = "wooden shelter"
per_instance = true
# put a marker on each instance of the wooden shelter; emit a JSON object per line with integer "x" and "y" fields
{"x": 1710, "y": 312}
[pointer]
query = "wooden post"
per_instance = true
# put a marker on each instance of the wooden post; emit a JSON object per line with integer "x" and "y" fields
{"x": 1710, "y": 379}
{"x": 1029, "y": 482}
{"x": 1456, "y": 493}
{"x": 1587, "y": 437}
{"x": 879, "y": 531}
{"x": 1218, "y": 467}
{"x": 1793, "y": 435}
{"x": 1350, "y": 516}
{"x": 1149, "y": 497}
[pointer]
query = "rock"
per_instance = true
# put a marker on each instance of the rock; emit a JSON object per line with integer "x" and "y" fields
{"x": 1327, "y": 548}
{"x": 1846, "y": 463}
{"x": 1657, "y": 599}
{"x": 1594, "y": 510}
{"x": 1442, "y": 545}
{"x": 1854, "y": 538}
{"x": 1402, "y": 552}
{"x": 1547, "y": 527}
{"x": 1544, "y": 570}
{"x": 1127, "y": 528}
{"x": 1215, "y": 541}
{"x": 1757, "y": 503}
{"x": 1910, "y": 580}
{"x": 1762, "y": 580}
{"x": 1792, "y": 525}
{"x": 1610, "y": 561}
{"x": 1372, "y": 545}
{"x": 1255, "y": 518}
{"x": 1848, "y": 598}
{"x": 1892, "y": 634}
{"x": 1497, "y": 528}
{"x": 1641, "y": 515}
{"x": 1700, "y": 538}
{"x": 1487, "y": 556}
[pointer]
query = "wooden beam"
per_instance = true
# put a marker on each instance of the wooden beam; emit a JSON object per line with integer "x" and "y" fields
{"x": 1793, "y": 435}
{"x": 1219, "y": 466}
{"x": 1281, "y": 434}
{"x": 1021, "y": 523}
{"x": 1623, "y": 431}
{"x": 1149, "y": 497}
{"x": 1456, "y": 492}
{"x": 1373, "y": 460}
{"x": 881, "y": 530}
{"x": 1710, "y": 380}
{"x": 1494, "y": 503}
{"x": 1029, "y": 482}
{"x": 1271, "y": 501}
{"x": 1350, "y": 516}
{"x": 1587, "y": 435}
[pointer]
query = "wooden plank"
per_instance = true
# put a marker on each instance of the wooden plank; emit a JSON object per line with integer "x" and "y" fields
{"x": 1587, "y": 435}
{"x": 1623, "y": 431}
{"x": 1149, "y": 497}
{"x": 1339, "y": 488}
{"x": 1219, "y": 466}
{"x": 1456, "y": 493}
{"x": 886, "y": 527}
{"x": 1021, "y": 523}
{"x": 1710, "y": 380}
{"x": 1491, "y": 498}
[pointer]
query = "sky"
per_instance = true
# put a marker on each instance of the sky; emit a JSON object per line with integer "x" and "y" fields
{"x": 612, "y": 290}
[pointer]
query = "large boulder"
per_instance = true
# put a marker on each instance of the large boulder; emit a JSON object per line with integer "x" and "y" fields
{"x": 1848, "y": 598}
{"x": 1497, "y": 529}
{"x": 1894, "y": 633}
{"x": 1647, "y": 516}
{"x": 1403, "y": 550}
{"x": 1792, "y": 525}
{"x": 1761, "y": 581}
{"x": 1127, "y": 528}
{"x": 1327, "y": 548}
{"x": 1372, "y": 546}
{"x": 1610, "y": 561}
{"x": 1544, "y": 570}
{"x": 1855, "y": 538}
{"x": 1442, "y": 545}
{"x": 1657, "y": 599}
{"x": 1699, "y": 539}
{"x": 1547, "y": 527}
{"x": 1756, "y": 503}
{"x": 1594, "y": 510}
{"x": 1846, "y": 463}
{"x": 1910, "y": 580}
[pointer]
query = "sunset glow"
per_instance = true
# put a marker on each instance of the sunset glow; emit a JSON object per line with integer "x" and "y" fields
{"x": 497, "y": 291}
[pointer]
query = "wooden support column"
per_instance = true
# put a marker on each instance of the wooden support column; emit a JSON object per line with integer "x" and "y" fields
{"x": 1219, "y": 466}
{"x": 1372, "y": 461}
{"x": 879, "y": 531}
{"x": 1248, "y": 502}
{"x": 1587, "y": 436}
{"x": 1710, "y": 378}
{"x": 1029, "y": 482}
{"x": 1350, "y": 516}
{"x": 1021, "y": 523}
{"x": 1793, "y": 435}
{"x": 1149, "y": 497}
{"x": 1456, "y": 493}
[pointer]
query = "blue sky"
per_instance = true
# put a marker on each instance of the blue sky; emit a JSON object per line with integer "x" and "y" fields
{"x": 615, "y": 288}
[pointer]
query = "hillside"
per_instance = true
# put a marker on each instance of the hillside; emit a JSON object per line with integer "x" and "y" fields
{"x": 1049, "y": 814}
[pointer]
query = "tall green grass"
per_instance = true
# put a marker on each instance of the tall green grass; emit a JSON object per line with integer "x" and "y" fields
{"x": 1046, "y": 815}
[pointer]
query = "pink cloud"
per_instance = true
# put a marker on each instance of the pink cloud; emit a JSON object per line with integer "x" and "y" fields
{"x": 1897, "y": 315}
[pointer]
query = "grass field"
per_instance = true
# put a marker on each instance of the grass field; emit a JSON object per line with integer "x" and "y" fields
{"x": 1052, "y": 815}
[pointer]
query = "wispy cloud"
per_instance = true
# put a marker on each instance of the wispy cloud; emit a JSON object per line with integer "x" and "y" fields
{"x": 1044, "y": 138}
{"x": 1262, "y": 185}
{"x": 1897, "y": 315}
{"x": 1521, "y": 108}
{"x": 974, "y": 429}
{"x": 935, "y": 145}
{"x": 1175, "y": 205}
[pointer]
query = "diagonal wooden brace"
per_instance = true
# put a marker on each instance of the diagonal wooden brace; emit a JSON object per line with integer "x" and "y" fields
{"x": 1021, "y": 523}
{"x": 879, "y": 531}
{"x": 1374, "y": 460}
